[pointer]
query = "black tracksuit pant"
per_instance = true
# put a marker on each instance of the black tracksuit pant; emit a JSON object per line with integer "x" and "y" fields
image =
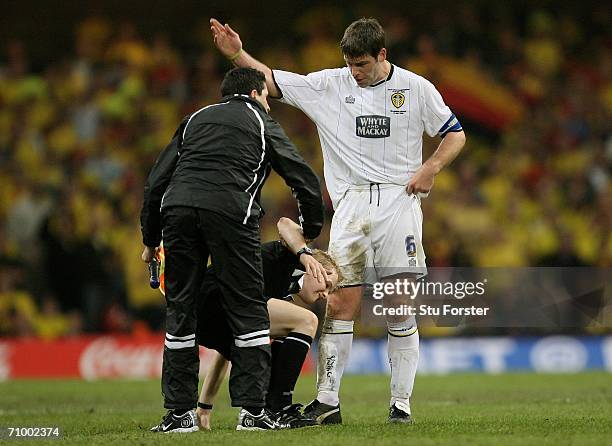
{"x": 189, "y": 236}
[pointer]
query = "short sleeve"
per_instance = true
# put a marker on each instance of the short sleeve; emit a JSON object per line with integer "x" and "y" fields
{"x": 299, "y": 90}
{"x": 438, "y": 119}
{"x": 278, "y": 260}
{"x": 274, "y": 251}
{"x": 278, "y": 264}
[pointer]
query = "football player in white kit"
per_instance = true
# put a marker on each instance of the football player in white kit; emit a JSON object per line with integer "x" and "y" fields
{"x": 370, "y": 116}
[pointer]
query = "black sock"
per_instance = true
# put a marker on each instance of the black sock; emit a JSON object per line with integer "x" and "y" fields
{"x": 286, "y": 369}
{"x": 276, "y": 347}
{"x": 179, "y": 412}
{"x": 252, "y": 410}
{"x": 275, "y": 366}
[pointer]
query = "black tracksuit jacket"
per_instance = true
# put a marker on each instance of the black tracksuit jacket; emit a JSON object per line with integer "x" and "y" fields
{"x": 218, "y": 160}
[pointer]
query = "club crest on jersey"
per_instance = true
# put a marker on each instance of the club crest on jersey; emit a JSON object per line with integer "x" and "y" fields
{"x": 373, "y": 126}
{"x": 397, "y": 99}
{"x": 349, "y": 99}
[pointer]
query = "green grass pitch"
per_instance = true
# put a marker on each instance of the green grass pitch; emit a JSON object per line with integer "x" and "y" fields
{"x": 463, "y": 409}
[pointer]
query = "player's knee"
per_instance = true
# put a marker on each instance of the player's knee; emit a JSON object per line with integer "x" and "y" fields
{"x": 311, "y": 323}
{"x": 395, "y": 319}
{"x": 342, "y": 306}
{"x": 307, "y": 324}
{"x": 334, "y": 307}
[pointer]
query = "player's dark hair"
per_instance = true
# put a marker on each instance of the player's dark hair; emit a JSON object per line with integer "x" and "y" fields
{"x": 363, "y": 37}
{"x": 242, "y": 81}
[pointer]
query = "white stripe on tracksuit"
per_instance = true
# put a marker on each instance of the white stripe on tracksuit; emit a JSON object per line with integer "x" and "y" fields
{"x": 178, "y": 342}
{"x": 192, "y": 116}
{"x": 263, "y": 154}
{"x": 253, "y": 342}
{"x": 179, "y": 338}
{"x": 253, "y": 339}
{"x": 253, "y": 333}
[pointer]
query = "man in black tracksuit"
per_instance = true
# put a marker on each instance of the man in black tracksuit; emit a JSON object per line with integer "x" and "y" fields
{"x": 203, "y": 194}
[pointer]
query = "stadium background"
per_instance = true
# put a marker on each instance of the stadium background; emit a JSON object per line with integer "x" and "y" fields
{"x": 88, "y": 98}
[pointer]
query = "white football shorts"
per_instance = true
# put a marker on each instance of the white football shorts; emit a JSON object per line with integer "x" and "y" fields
{"x": 377, "y": 232}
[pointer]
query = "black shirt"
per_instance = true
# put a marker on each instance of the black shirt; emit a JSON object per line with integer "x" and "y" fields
{"x": 281, "y": 269}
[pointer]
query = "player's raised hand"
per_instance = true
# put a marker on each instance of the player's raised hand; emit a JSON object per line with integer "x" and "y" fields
{"x": 422, "y": 181}
{"x": 226, "y": 39}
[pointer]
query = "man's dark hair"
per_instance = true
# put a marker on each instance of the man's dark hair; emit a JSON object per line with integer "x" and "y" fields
{"x": 363, "y": 37}
{"x": 242, "y": 81}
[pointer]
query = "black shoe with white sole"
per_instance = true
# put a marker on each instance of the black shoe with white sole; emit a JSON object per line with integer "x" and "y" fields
{"x": 323, "y": 413}
{"x": 400, "y": 413}
{"x": 291, "y": 417}
{"x": 261, "y": 422}
{"x": 173, "y": 423}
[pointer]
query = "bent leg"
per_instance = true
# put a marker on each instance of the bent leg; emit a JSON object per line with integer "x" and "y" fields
{"x": 298, "y": 326}
{"x": 286, "y": 317}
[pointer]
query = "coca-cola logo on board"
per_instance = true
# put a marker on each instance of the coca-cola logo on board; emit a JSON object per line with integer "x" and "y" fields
{"x": 109, "y": 358}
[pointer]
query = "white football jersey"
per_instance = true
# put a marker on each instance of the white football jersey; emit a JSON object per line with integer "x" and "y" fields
{"x": 368, "y": 135}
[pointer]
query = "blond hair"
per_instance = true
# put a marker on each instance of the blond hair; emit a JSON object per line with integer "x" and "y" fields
{"x": 328, "y": 262}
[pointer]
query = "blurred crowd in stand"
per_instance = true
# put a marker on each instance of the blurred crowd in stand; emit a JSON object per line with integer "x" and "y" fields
{"x": 533, "y": 186}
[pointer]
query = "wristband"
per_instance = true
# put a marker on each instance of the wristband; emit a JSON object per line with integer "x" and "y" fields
{"x": 204, "y": 406}
{"x": 305, "y": 250}
{"x": 235, "y": 56}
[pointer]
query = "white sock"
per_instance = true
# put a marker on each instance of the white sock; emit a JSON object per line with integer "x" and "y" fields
{"x": 403, "y": 341}
{"x": 334, "y": 350}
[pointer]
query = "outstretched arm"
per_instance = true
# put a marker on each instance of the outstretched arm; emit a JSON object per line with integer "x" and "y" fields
{"x": 298, "y": 175}
{"x": 210, "y": 388}
{"x": 229, "y": 44}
